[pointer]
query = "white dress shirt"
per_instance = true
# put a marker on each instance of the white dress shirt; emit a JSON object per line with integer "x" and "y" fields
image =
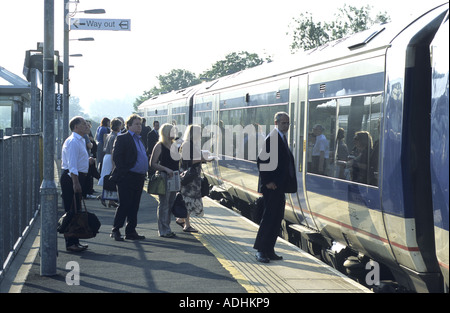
{"x": 75, "y": 157}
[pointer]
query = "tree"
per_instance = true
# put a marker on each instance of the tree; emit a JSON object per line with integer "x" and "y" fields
{"x": 178, "y": 79}
{"x": 306, "y": 34}
{"x": 174, "y": 80}
{"x": 233, "y": 63}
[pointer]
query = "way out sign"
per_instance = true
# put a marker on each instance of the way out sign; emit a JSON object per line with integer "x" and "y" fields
{"x": 99, "y": 24}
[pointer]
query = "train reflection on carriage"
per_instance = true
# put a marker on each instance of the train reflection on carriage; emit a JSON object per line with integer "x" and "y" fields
{"x": 366, "y": 152}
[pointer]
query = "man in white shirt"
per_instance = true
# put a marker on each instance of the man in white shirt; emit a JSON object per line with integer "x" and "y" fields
{"x": 74, "y": 167}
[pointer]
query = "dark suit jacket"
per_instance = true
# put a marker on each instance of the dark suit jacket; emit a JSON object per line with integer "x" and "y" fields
{"x": 277, "y": 166}
{"x": 124, "y": 155}
{"x": 152, "y": 139}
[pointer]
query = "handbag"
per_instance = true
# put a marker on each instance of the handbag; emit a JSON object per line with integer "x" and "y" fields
{"x": 204, "y": 187}
{"x": 82, "y": 224}
{"x": 157, "y": 185}
{"x": 187, "y": 176}
{"x": 179, "y": 207}
{"x": 109, "y": 189}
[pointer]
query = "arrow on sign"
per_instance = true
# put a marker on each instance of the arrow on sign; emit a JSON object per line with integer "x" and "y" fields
{"x": 77, "y": 23}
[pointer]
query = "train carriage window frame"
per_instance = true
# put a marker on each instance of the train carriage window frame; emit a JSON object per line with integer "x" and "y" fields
{"x": 354, "y": 114}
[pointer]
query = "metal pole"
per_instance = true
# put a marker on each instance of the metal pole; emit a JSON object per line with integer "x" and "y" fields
{"x": 49, "y": 200}
{"x": 65, "y": 122}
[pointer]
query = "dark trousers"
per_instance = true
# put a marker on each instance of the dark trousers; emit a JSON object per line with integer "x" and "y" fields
{"x": 269, "y": 228}
{"x": 68, "y": 198}
{"x": 130, "y": 191}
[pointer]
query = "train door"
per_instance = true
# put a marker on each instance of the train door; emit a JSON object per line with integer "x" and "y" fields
{"x": 297, "y": 111}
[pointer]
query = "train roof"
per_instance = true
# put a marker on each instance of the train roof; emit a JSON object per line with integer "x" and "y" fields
{"x": 377, "y": 38}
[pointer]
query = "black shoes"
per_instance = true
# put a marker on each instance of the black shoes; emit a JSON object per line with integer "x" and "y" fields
{"x": 266, "y": 258}
{"x": 118, "y": 237}
{"x": 134, "y": 236}
{"x": 76, "y": 247}
{"x": 261, "y": 257}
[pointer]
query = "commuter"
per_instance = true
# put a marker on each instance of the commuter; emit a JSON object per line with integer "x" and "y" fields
{"x": 273, "y": 183}
{"x": 123, "y": 129}
{"x": 152, "y": 139}
{"x": 360, "y": 165}
{"x": 192, "y": 156}
{"x": 320, "y": 153}
{"x": 100, "y": 135}
{"x": 165, "y": 159}
{"x": 88, "y": 186}
{"x": 145, "y": 130}
{"x": 131, "y": 165}
{"x": 108, "y": 163}
{"x": 75, "y": 166}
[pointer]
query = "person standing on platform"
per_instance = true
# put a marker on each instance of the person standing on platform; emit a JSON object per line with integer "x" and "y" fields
{"x": 74, "y": 167}
{"x": 100, "y": 135}
{"x": 163, "y": 160}
{"x": 131, "y": 164}
{"x": 276, "y": 177}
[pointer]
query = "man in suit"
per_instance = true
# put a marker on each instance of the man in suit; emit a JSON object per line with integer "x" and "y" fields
{"x": 152, "y": 139}
{"x": 131, "y": 164}
{"x": 276, "y": 177}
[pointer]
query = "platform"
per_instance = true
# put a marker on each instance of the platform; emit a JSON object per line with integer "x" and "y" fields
{"x": 218, "y": 259}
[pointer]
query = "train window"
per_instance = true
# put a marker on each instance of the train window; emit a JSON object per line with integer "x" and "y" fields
{"x": 322, "y": 124}
{"x": 343, "y": 138}
{"x": 249, "y": 127}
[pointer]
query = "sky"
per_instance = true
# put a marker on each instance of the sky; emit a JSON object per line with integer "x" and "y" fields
{"x": 119, "y": 66}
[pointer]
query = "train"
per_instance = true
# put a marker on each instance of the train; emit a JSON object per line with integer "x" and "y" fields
{"x": 378, "y": 209}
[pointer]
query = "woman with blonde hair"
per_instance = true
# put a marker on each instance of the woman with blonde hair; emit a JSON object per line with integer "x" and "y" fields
{"x": 192, "y": 156}
{"x": 165, "y": 159}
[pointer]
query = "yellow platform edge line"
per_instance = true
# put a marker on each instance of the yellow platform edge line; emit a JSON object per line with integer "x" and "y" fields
{"x": 227, "y": 265}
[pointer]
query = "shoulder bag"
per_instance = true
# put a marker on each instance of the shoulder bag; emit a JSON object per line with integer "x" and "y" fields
{"x": 157, "y": 184}
{"x": 79, "y": 223}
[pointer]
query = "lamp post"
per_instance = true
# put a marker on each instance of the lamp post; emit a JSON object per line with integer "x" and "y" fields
{"x": 48, "y": 193}
{"x": 66, "y": 62}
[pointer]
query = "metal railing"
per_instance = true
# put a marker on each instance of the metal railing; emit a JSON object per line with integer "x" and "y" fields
{"x": 20, "y": 179}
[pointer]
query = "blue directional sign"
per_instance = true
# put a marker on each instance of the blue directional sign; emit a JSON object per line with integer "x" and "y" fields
{"x": 99, "y": 24}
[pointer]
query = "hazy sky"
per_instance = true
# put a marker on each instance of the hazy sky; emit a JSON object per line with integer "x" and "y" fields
{"x": 165, "y": 35}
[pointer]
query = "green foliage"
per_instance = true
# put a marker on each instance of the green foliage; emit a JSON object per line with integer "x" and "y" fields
{"x": 307, "y": 34}
{"x": 179, "y": 79}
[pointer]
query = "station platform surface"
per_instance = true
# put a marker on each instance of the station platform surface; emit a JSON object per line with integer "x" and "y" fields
{"x": 218, "y": 259}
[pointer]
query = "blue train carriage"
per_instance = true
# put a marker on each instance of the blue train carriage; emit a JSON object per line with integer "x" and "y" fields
{"x": 373, "y": 198}
{"x": 173, "y": 107}
{"x": 367, "y": 87}
{"x": 439, "y": 145}
{"x": 362, "y": 195}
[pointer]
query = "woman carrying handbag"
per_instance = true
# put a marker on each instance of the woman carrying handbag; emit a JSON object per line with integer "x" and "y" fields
{"x": 165, "y": 159}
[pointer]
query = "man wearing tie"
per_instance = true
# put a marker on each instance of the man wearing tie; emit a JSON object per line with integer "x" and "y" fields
{"x": 276, "y": 177}
{"x": 131, "y": 164}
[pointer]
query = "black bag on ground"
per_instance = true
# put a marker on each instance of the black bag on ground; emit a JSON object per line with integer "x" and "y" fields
{"x": 205, "y": 187}
{"x": 179, "y": 207}
{"x": 79, "y": 223}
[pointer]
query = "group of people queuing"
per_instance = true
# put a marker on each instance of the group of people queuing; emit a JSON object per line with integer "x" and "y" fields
{"x": 129, "y": 152}
{"x": 132, "y": 161}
